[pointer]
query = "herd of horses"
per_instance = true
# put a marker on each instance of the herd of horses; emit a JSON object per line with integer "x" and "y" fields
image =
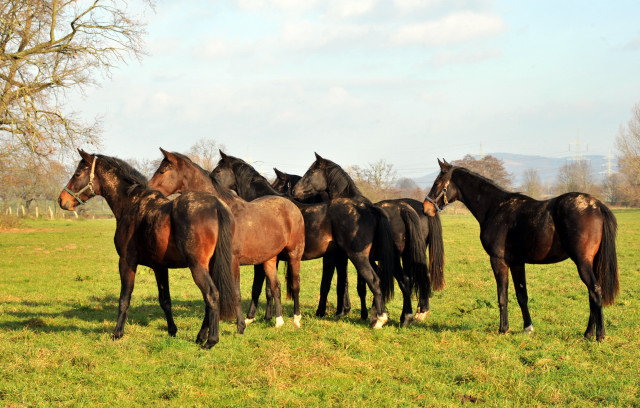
{"x": 234, "y": 216}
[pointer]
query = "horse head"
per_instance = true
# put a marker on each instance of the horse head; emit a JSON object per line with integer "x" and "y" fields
{"x": 83, "y": 184}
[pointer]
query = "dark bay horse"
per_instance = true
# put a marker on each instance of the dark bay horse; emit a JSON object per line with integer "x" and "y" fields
{"x": 516, "y": 229}
{"x": 343, "y": 230}
{"x": 264, "y": 228}
{"x": 325, "y": 176}
{"x": 193, "y": 231}
{"x": 430, "y": 226}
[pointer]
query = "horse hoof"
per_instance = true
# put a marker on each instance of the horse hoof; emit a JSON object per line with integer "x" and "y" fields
{"x": 209, "y": 344}
{"x": 407, "y": 319}
{"x": 320, "y": 313}
{"x": 421, "y": 316}
{"x": 528, "y": 329}
{"x": 279, "y": 322}
{"x": 249, "y": 321}
{"x": 296, "y": 321}
{"x": 382, "y": 320}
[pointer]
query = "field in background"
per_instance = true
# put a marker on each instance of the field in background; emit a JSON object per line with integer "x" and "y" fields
{"x": 59, "y": 288}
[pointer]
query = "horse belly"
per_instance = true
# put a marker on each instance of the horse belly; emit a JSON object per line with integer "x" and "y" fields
{"x": 258, "y": 245}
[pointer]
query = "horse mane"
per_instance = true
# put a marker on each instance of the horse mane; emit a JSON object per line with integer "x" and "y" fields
{"x": 125, "y": 171}
{"x": 248, "y": 181}
{"x": 224, "y": 193}
{"x": 339, "y": 181}
{"x": 483, "y": 178}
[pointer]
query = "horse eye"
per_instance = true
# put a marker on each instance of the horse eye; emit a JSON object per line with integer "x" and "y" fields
{"x": 76, "y": 174}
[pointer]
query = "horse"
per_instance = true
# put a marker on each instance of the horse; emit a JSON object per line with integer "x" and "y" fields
{"x": 325, "y": 176}
{"x": 195, "y": 231}
{"x": 516, "y": 230}
{"x": 430, "y": 226}
{"x": 338, "y": 231}
{"x": 265, "y": 228}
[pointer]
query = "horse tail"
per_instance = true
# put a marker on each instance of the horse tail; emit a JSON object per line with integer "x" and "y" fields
{"x": 416, "y": 249}
{"x": 436, "y": 252}
{"x": 220, "y": 265}
{"x": 606, "y": 262}
{"x": 384, "y": 249}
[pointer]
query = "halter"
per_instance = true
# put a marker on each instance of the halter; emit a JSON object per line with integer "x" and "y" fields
{"x": 443, "y": 194}
{"x": 88, "y": 186}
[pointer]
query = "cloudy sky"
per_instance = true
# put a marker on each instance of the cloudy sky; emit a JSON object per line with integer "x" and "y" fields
{"x": 363, "y": 80}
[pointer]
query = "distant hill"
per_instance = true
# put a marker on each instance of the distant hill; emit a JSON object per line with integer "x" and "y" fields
{"x": 516, "y": 164}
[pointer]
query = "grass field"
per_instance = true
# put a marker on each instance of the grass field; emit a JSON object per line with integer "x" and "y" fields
{"x": 59, "y": 287}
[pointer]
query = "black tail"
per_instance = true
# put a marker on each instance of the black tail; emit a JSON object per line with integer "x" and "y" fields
{"x": 414, "y": 260}
{"x": 436, "y": 252}
{"x": 384, "y": 250}
{"x": 605, "y": 263}
{"x": 220, "y": 266}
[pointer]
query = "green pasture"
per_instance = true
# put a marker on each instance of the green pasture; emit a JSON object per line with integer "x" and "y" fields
{"x": 59, "y": 288}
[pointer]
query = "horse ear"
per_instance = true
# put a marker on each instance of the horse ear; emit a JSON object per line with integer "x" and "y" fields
{"x": 444, "y": 166}
{"x": 318, "y": 157}
{"x": 279, "y": 174}
{"x": 222, "y": 155}
{"x": 85, "y": 156}
{"x": 164, "y": 152}
{"x": 169, "y": 156}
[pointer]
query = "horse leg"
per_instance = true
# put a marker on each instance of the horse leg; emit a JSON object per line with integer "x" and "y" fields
{"x": 201, "y": 277}
{"x": 294, "y": 265}
{"x": 520, "y": 283}
{"x": 328, "y": 265}
{"x": 342, "y": 288}
{"x": 127, "y": 280}
{"x": 361, "y": 286}
{"x": 240, "y": 320}
{"x": 596, "y": 317}
{"x": 366, "y": 272}
{"x": 271, "y": 272}
{"x": 256, "y": 289}
{"x": 405, "y": 283}
{"x": 501, "y": 273}
{"x": 164, "y": 297}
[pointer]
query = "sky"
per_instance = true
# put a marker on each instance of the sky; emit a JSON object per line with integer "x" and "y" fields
{"x": 356, "y": 81}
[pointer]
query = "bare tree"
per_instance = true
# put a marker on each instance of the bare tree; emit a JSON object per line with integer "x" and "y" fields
{"x": 46, "y": 49}
{"x": 488, "y": 166}
{"x": 575, "y": 176}
{"x": 205, "y": 152}
{"x": 376, "y": 180}
{"x": 628, "y": 144}
{"x": 531, "y": 184}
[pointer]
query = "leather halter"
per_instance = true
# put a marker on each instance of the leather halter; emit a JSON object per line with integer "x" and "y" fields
{"x": 88, "y": 186}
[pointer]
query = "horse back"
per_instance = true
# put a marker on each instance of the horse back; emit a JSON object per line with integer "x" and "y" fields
{"x": 265, "y": 227}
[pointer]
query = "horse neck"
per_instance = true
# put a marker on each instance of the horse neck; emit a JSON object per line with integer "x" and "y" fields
{"x": 478, "y": 194}
{"x": 257, "y": 187}
{"x": 115, "y": 191}
{"x": 340, "y": 185}
{"x": 195, "y": 179}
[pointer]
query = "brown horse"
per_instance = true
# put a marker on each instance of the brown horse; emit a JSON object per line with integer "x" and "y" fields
{"x": 194, "y": 231}
{"x": 265, "y": 228}
{"x": 516, "y": 229}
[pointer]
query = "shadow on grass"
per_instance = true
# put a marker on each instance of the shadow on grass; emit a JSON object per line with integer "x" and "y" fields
{"x": 38, "y": 316}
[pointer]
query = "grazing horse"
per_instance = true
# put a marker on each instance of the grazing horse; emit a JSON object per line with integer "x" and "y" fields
{"x": 344, "y": 229}
{"x": 325, "y": 176}
{"x": 516, "y": 229}
{"x": 194, "y": 231}
{"x": 265, "y": 227}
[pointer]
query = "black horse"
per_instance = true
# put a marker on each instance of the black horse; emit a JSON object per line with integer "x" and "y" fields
{"x": 194, "y": 231}
{"x": 411, "y": 234}
{"x": 430, "y": 226}
{"x": 346, "y": 229}
{"x": 516, "y": 230}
